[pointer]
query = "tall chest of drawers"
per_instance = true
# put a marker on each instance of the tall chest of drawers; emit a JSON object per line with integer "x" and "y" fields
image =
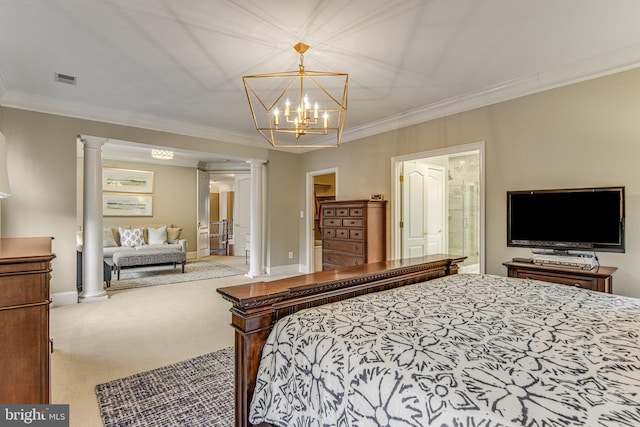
{"x": 25, "y": 269}
{"x": 353, "y": 233}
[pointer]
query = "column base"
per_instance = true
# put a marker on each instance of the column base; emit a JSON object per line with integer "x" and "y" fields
{"x": 252, "y": 275}
{"x": 93, "y": 298}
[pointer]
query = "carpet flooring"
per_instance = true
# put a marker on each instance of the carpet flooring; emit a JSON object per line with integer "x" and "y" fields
{"x": 138, "y": 277}
{"x": 195, "y": 392}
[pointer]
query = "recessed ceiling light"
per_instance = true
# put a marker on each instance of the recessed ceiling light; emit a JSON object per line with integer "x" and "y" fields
{"x": 66, "y": 78}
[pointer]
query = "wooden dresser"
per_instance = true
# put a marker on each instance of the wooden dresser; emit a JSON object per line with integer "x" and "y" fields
{"x": 597, "y": 279}
{"x": 353, "y": 233}
{"x": 25, "y": 270}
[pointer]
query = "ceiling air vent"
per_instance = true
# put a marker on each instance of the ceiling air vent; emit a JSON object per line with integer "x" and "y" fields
{"x": 65, "y": 78}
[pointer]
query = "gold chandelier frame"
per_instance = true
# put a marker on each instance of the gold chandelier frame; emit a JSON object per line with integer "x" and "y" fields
{"x": 320, "y": 114}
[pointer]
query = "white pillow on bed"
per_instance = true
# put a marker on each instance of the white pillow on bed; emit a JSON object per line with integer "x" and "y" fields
{"x": 157, "y": 236}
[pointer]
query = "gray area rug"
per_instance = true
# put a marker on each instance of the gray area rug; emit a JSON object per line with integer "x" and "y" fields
{"x": 138, "y": 277}
{"x": 195, "y": 392}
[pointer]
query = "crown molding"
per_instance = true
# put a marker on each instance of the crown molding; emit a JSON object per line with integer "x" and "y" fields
{"x": 622, "y": 60}
{"x": 602, "y": 65}
{"x": 41, "y": 104}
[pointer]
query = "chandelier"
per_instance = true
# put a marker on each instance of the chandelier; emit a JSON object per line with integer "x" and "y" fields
{"x": 299, "y": 108}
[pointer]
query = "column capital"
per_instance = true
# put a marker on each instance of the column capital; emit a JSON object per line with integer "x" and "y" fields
{"x": 92, "y": 142}
{"x": 256, "y": 162}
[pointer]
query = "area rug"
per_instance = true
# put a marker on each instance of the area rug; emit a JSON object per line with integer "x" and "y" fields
{"x": 138, "y": 277}
{"x": 195, "y": 392}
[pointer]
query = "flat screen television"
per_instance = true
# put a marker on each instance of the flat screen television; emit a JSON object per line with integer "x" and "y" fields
{"x": 585, "y": 219}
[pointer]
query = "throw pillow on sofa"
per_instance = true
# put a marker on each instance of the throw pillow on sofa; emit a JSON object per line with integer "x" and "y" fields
{"x": 131, "y": 237}
{"x": 157, "y": 236}
{"x": 173, "y": 234}
{"x": 107, "y": 239}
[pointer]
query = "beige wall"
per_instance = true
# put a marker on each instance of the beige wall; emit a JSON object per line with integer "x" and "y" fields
{"x": 283, "y": 208}
{"x": 587, "y": 134}
{"x": 174, "y": 198}
{"x": 42, "y": 167}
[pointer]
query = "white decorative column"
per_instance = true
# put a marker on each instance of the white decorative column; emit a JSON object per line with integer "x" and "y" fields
{"x": 256, "y": 267}
{"x": 92, "y": 256}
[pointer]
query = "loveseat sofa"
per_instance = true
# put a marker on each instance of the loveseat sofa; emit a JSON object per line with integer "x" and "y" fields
{"x": 140, "y": 239}
{"x": 145, "y": 237}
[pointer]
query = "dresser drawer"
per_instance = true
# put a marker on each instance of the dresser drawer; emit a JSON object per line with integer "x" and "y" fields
{"x": 351, "y": 222}
{"x": 356, "y": 234}
{"x": 339, "y": 259}
{"x": 328, "y": 233}
{"x": 332, "y": 222}
{"x": 342, "y": 211}
{"x": 329, "y": 212}
{"x": 22, "y": 289}
{"x": 342, "y": 233}
{"x": 356, "y": 248}
{"x": 356, "y": 212}
{"x": 579, "y": 282}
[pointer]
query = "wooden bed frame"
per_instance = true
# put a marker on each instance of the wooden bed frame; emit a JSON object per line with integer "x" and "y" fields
{"x": 257, "y": 306}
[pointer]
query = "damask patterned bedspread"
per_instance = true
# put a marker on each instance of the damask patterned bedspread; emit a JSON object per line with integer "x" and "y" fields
{"x": 465, "y": 350}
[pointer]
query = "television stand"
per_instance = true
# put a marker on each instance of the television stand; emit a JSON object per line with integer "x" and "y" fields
{"x": 597, "y": 279}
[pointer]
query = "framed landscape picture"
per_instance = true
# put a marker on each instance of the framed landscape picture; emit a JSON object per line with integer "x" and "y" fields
{"x": 127, "y": 181}
{"x": 119, "y": 204}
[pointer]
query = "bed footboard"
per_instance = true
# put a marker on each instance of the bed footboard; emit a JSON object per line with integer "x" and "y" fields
{"x": 257, "y": 306}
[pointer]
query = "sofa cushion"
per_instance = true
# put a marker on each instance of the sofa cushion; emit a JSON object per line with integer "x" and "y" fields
{"x": 166, "y": 246}
{"x": 157, "y": 236}
{"x": 173, "y": 234}
{"x": 108, "y": 252}
{"x": 131, "y": 237}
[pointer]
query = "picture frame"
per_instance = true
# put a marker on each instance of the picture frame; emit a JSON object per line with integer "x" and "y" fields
{"x": 127, "y": 180}
{"x": 125, "y": 204}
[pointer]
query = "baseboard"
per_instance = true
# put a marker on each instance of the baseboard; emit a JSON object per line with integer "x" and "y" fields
{"x": 59, "y": 299}
{"x": 282, "y": 270}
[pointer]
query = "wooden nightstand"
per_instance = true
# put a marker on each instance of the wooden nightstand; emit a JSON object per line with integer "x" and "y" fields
{"x": 597, "y": 279}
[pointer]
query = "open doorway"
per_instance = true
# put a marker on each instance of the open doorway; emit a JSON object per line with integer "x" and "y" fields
{"x": 228, "y": 202}
{"x": 438, "y": 205}
{"x": 221, "y": 203}
{"x": 322, "y": 186}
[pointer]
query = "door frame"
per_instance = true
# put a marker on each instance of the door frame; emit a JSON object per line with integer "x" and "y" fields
{"x": 309, "y": 232}
{"x": 396, "y": 193}
{"x": 202, "y": 213}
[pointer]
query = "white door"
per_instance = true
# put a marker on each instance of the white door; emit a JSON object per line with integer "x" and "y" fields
{"x": 241, "y": 213}
{"x": 436, "y": 204}
{"x": 423, "y": 207}
{"x": 202, "y": 214}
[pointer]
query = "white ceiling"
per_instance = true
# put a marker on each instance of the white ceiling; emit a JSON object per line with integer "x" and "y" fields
{"x": 178, "y": 65}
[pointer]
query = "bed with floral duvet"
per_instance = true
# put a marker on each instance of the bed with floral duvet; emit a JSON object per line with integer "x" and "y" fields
{"x": 462, "y": 350}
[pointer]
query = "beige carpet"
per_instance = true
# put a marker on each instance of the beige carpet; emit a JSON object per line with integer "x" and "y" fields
{"x": 135, "y": 330}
